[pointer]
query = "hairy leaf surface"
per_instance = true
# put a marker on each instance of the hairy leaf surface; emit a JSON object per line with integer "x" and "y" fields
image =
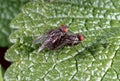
{"x": 97, "y": 60}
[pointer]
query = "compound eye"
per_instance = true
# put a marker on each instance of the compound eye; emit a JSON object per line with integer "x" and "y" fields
{"x": 64, "y": 28}
{"x": 81, "y": 37}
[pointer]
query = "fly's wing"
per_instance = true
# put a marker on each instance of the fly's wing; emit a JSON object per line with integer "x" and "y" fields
{"x": 48, "y": 32}
{"x": 39, "y": 39}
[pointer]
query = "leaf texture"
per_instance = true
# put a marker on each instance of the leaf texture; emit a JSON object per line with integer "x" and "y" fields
{"x": 98, "y": 60}
{"x": 8, "y": 10}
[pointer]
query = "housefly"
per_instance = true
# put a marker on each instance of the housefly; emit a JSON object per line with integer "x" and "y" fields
{"x": 68, "y": 40}
{"x": 51, "y": 37}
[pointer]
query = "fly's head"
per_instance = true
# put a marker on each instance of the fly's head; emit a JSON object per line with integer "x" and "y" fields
{"x": 80, "y": 37}
{"x": 64, "y": 28}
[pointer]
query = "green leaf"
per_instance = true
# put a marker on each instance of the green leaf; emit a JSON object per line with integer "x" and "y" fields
{"x": 98, "y": 60}
{"x": 8, "y": 10}
{"x": 1, "y": 73}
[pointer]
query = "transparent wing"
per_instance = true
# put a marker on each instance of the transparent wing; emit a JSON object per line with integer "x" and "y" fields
{"x": 39, "y": 39}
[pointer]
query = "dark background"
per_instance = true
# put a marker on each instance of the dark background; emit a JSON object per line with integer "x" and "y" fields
{"x": 5, "y": 64}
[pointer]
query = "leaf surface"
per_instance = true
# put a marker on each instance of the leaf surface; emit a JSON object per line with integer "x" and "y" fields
{"x": 98, "y": 60}
{"x": 8, "y": 10}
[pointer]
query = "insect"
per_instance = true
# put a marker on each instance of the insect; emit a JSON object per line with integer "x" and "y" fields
{"x": 68, "y": 40}
{"x": 51, "y": 37}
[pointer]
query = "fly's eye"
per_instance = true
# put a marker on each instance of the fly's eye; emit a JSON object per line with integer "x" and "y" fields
{"x": 64, "y": 28}
{"x": 81, "y": 37}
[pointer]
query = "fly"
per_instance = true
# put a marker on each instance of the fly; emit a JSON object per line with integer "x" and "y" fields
{"x": 51, "y": 37}
{"x": 68, "y": 40}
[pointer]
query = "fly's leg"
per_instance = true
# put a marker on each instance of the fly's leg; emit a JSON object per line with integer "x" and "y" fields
{"x": 58, "y": 52}
{"x": 75, "y": 49}
{"x": 46, "y": 56}
{"x": 82, "y": 45}
{"x": 91, "y": 49}
{"x": 37, "y": 39}
{"x": 60, "y": 46}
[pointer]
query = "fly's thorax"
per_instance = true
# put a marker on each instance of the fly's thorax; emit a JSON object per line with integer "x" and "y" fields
{"x": 73, "y": 37}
